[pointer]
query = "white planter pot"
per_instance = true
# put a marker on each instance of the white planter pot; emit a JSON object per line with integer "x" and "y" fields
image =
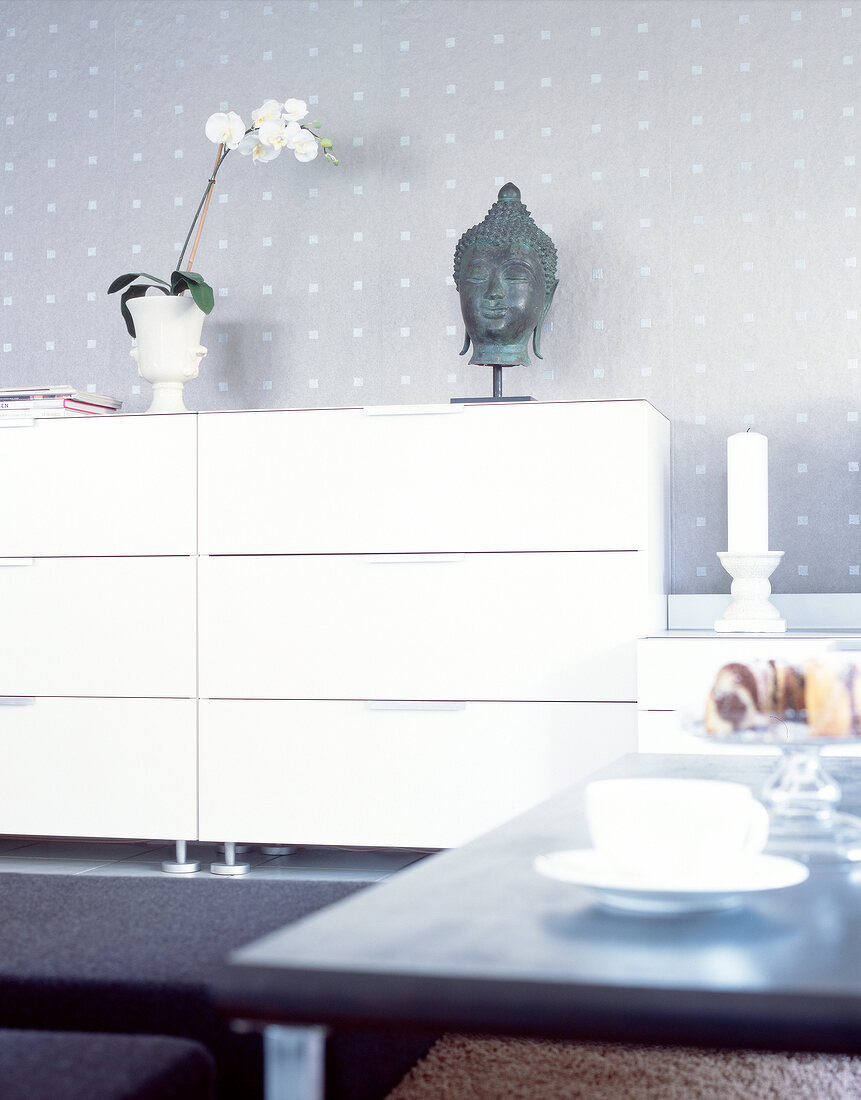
{"x": 168, "y": 350}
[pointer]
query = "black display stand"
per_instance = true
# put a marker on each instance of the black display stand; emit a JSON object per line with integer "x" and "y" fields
{"x": 497, "y": 393}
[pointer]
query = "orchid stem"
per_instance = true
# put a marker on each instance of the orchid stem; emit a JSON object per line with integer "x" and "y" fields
{"x": 204, "y": 207}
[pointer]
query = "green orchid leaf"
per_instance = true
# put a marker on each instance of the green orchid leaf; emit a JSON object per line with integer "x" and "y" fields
{"x": 136, "y": 292}
{"x": 200, "y": 290}
{"x": 124, "y": 280}
{"x": 203, "y": 296}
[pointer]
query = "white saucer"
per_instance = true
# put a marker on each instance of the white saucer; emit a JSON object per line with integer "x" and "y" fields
{"x": 639, "y": 894}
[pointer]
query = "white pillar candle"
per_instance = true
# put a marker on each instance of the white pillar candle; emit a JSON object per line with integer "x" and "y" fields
{"x": 747, "y": 493}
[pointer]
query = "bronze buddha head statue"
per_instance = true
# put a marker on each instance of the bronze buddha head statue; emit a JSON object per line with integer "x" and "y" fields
{"x": 505, "y": 274}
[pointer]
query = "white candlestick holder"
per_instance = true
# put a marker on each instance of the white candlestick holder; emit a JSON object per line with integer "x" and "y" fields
{"x": 751, "y": 611}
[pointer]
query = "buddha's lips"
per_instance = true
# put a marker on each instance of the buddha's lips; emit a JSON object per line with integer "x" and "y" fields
{"x": 494, "y": 311}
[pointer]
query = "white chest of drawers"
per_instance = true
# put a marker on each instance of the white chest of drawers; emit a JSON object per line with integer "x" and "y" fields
{"x": 416, "y": 622}
{"x": 369, "y": 627}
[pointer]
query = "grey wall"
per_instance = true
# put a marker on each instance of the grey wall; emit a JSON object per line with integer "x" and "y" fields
{"x": 693, "y": 160}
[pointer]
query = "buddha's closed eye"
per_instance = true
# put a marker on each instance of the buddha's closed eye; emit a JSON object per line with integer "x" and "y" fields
{"x": 517, "y": 273}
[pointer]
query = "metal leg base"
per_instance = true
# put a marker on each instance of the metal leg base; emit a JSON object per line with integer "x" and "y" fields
{"x": 230, "y": 866}
{"x": 279, "y": 849}
{"x": 180, "y": 865}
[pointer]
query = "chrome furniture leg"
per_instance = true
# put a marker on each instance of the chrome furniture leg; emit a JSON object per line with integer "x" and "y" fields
{"x": 294, "y": 1062}
{"x": 229, "y": 866}
{"x": 181, "y": 865}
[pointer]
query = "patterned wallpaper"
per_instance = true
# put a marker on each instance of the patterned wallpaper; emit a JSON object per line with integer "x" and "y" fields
{"x": 694, "y": 162}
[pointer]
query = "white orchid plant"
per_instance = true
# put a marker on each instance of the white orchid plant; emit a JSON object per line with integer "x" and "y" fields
{"x": 274, "y": 127}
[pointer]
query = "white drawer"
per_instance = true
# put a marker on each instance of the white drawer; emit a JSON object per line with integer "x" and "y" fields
{"x": 99, "y": 485}
{"x": 461, "y": 626}
{"x": 97, "y": 626}
{"x": 366, "y": 774}
{"x": 532, "y": 476}
{"x": 677, "y": 673}
{"x": 664, "y": 731}
{"x": 99, "y": 768}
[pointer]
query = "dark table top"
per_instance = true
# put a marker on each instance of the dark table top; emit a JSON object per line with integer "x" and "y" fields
{"x": 474, "y": 939}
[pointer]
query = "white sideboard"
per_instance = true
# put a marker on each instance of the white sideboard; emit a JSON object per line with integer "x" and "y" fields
{"x": 386, "y": 626}
{"x": 98, "y": 677}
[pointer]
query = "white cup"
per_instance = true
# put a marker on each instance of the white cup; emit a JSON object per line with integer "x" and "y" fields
{"x": 676, "y": 830}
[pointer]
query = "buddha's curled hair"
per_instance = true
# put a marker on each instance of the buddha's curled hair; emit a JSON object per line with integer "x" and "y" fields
{"x": 509, "y": 222}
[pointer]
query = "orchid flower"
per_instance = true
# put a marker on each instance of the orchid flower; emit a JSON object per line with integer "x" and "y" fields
{"x": 225, "y": 129}
{"x": 270, "y": 109}
{"x": 279, "y": 133}
{"x": 305, "y": 147}
{"x": 257, "y": 149}
{"x": 295, "y": 110}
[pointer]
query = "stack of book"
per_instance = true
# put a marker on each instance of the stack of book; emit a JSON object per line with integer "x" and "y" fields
{"x": 43, "y": 401}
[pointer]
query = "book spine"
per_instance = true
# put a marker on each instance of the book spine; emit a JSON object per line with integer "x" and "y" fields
{"x": 57, "y": 401}
{"x": 38, "y": 413}
{"x": 14, "y": 404}
{"x": 87, "y": 407}
{"x": 36, "y": 395}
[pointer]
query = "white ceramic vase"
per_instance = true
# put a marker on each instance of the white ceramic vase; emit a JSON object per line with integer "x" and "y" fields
{"x": 168, "y": 350}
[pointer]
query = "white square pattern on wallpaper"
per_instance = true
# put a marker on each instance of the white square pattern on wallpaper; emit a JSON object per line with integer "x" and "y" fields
{"x": 694, "y": 162}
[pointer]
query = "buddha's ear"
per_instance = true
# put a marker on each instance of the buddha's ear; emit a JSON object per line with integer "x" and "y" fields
{"x": 465, "y": 347}
{"x": 536, "y": 335}
{"x": 549, "y": 299}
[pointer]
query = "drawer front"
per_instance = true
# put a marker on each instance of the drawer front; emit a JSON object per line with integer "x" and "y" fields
{"x": 468, "y": 626}
{"x": 99, "y": 768}
{"x": 97, "y": 626}
{"x": 100, "y": 485}
{"x": 567, "y": 476}
{"x": 678, "y": 673}
{"x": 664, "y": 731}
{"x": 414, "y": 776}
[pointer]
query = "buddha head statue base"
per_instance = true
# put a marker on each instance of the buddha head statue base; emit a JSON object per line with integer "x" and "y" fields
{"x": 505, "y": 274}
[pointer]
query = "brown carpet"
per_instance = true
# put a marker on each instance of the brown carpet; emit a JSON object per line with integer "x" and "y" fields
{"x": 461, "y": 1067}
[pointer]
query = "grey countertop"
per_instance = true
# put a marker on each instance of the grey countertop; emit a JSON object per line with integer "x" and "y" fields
{"x": 474, "y": 939}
